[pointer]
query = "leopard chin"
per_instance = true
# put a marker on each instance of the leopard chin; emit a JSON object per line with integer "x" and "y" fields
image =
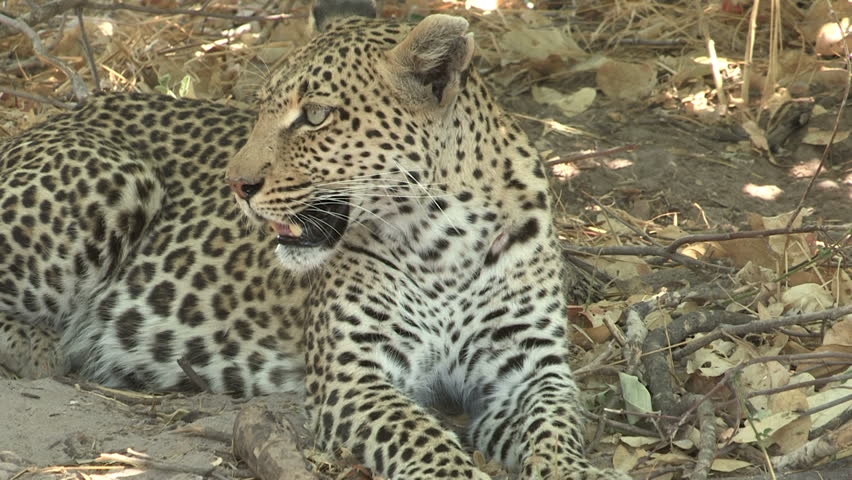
{"x": 308, "y": 239}
{"x": 301, "y": 259}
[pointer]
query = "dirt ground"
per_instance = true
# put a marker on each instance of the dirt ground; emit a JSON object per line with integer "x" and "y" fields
{"x": 685, "y": 168}
{"x": 52, "y": 430}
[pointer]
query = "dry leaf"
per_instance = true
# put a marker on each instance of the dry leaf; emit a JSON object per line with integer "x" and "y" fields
{"x": 728, "y": 465}
{"x": 709, "y": 362}
{"x": 815, "y": 136}
{"x": 626, "y": 81}
{"x": 765, "y": 427}
{"x": 829, "y": 395}
{"x": 624, "y": 459}
{"x": 756, "y": 134}
{"x": 807, "y": 298}
{"x": 639, "y": 441}
{"x": 570, "y": 104}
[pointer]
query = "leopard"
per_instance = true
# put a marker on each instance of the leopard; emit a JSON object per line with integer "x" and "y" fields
{"x": 375, "y": 234}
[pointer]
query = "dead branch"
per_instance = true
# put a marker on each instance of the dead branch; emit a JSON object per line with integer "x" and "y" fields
{"x": 707, "y": 439}
{"x": 36, "y": 98}
{"x": 763, "y": 326}
{"x": 87, "y": 50}
{"x": 78, "y": 85}
{"x": 268, "y": 446}
{"x": 600, "y": 153}
{"x": 42, "y": 13}
{"x": 770, "y": 358}
{"x": 793, "y": 386}
{"x": 141, "y": 460}
{"x": 640, "y": 251}
{"x": 815, "y": 450}
{"x": 123, "y": 396}
{"x": 194, "y": 378}
{"x": 657, "y": 364}
{"x": 620, "y": 426}
{"x": 832, "y": 424}
{"x": 721, "y": 237}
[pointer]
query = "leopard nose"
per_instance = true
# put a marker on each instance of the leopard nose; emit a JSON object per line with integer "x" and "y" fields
{"x": 245, "y": 190}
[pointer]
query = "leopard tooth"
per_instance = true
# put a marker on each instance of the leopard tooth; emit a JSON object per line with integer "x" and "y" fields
{"x": 296, "y": 230}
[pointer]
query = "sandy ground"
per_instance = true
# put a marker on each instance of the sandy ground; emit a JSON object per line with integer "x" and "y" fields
{"x": 47, "y": 425}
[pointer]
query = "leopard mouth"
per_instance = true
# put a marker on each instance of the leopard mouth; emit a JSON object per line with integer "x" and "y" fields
{"x": 322, "y": 224}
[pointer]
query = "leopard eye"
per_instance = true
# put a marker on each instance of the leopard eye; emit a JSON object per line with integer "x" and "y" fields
{"x": 315, "y": 114}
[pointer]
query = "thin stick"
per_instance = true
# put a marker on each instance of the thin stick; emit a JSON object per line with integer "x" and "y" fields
{"x": 192, "y": 375}
{"x": 640, "y": 250}
{"x": 720, "y": 237}
{"x": 36, "y": 98}
{"x": 749, "y": 53}
{"x": 762, "y": 326}
{"x": 721, "y": 96}
{"x": 77, "y": 83}
{"x": 599, "y": 153}
{"x": 87, "y": 50}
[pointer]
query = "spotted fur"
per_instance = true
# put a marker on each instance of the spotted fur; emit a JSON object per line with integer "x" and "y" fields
{"x": 417, "y": 267}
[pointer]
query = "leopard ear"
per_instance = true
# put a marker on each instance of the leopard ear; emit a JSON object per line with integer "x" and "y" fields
{"x": 324, "y": 11}
{"x": 429, "y": 66}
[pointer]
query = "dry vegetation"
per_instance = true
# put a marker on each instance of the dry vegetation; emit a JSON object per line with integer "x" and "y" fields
{"x": 719, "y": 348}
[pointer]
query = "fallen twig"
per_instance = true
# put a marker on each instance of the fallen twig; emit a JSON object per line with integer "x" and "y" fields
{"x": 640, "y": 250}
{"x": 87, "y": 50}
{"x": 36, "y": 98}
{"x": 599, "y": 153}
{"x": 815, "y": 450}
{"x": 267, "y": 445}
{"x": 707, "y": 439}
{"x": 762, "y": 326}
{"x": 140, "y": 460}
{"x": 123, "y": 396}
{"x": 721, "y": 237}
{"x": 78, "y": 85}
{"x": 192, "y": 375}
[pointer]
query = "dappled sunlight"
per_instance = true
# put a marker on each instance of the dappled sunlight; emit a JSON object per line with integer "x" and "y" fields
{"x": 763, "y": 192}
{"x": 828, "y": 185}
{"x": 806, "y": 169}
{"x": 484, "y": 5}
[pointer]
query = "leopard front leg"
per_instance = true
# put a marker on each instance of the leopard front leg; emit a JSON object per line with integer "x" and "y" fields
{"x": 354, "y": 407}
{"x": 29, "y": 350}
{"x": 529, "y": 419}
